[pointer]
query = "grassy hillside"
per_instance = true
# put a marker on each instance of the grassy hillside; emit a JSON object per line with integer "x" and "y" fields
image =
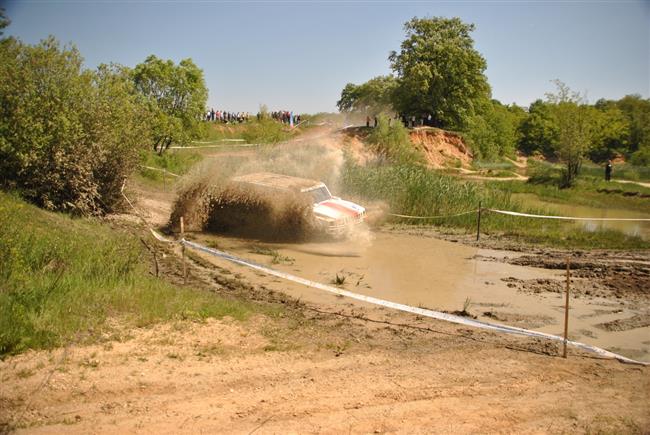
{"x": 62, "y": 279}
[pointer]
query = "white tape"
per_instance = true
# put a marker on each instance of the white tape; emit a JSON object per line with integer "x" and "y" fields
{"x": 407, "y": 308}
{"x": 219, "y": 140}
{"x": 160, "y": 170}
{"x": 432, "y": 217}
{"x": 159, "y": 237}
{"x": 514, "y": 213}
{"x": 217, "y": 146}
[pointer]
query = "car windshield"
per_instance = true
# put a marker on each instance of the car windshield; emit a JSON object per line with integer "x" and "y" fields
{"x": 319, "y": 194}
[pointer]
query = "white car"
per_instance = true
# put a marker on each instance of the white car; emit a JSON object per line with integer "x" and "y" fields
{"x": 335, "y": 215}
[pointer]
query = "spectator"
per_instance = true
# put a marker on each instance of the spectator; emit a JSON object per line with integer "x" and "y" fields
{"x": 608, "y": 171}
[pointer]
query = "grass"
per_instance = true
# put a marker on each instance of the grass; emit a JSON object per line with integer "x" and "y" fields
{"x": 254, "y": 131}
{"x": 542, "y": 169}
{"x": 276, "y": 257}
{"x": 587, "y": 191}
{"x": 61, "y": 279}
{"x": 621, "y": 171}
{"x": 418, "y": 191}
{"x": 172, "y": 161}
{"x": 504, "y": 165}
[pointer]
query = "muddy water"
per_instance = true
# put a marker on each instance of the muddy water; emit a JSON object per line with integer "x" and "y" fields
{"x": 441, "y": 275}
{"x": 641, "y": 229}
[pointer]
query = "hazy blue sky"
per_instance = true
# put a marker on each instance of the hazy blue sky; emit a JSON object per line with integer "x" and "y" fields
{"x": 299, "y": 55}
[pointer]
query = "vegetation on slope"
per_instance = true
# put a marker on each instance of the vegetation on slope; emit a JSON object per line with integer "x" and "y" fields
{"x": 62, "y": 279}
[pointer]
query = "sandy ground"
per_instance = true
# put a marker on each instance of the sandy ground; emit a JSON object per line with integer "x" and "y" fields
{"x": 321, "y": 373}
{"x": 320, "y": 367}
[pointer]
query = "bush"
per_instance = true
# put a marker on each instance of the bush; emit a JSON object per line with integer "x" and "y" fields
{"x": 641, "y": 157}
{"x": 68, "y": 137}
{"x": 265, "y": 131}
{"x": 391, "y": 142}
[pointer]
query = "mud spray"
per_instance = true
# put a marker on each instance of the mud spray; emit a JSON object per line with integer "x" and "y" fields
{"x": 209, "y": 201}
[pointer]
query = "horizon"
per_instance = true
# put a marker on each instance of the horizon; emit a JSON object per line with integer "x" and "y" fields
{"x": 299, "y": 56}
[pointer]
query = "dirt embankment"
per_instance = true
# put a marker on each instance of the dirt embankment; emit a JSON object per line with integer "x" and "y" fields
{"x": 441, "y": 148}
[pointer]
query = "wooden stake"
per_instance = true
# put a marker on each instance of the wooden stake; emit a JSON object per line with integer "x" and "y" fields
{"x": 183, "y": 252}
{"x": 566, "y": 305}
{"x": 478, "y": 223}
{"x": 164, "y": 181}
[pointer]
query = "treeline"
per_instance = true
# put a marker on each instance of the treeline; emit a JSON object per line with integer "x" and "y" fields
{"x": 70, "y": 136}
{"x": 439, "y": 77}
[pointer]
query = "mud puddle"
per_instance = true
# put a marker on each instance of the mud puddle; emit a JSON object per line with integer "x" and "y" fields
{"x": 446, "y": 276}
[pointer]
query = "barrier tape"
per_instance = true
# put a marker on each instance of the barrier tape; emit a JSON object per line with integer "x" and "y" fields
{"x": 407, "y": 308}
{"x": 159, "y": 237}
{"x": 432, "y": 217}
{"x": 219, "y": 140}
{"x": 514, "y": 213}
{"x": 158, "y": 169}
{"x": 217, "y": 146}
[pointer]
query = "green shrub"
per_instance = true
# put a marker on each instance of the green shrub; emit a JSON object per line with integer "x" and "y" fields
{"x": 641, "y": 157}
{"x": 391, "y": 142}
{"x": 68, "y": 136}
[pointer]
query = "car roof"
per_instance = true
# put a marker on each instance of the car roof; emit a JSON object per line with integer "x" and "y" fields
{"x": 278, "y": 181}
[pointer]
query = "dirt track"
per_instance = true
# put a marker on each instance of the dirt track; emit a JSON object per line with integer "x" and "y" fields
{"x": 327, "y": 375}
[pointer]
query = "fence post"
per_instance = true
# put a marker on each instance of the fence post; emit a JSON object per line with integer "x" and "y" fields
{"x": 478, "y": 223}
{"x": 164, "y": 181}
{"x": 566, "y": 305}
{"x": 183, "y": 252}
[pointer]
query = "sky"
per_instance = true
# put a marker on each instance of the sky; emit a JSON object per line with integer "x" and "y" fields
{"x": 298, "y": 55}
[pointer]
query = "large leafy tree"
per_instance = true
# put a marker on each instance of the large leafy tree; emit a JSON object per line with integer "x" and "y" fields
{"x": 611, "y": 131}
{"x": 68, "y": 136}
{"x": 538, "y": 132}
{"x": 372, "y": 97}
{"x": 495, "y": 133}
{"x": 176, "y": 96}
{"x": 439, "y": 72}
{"x": 637, "y": 112}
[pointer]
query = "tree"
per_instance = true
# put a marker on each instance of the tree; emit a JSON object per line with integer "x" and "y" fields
{"x": 176, "y": 97}
{"x": 538, "y": 132}
{"x": 4, "y": 20}
{"x": 495, "y": 133}
{"x": 68, "y": 136}
{"x": 574, "y": 129}
{"x": 439, "y": 72}
{"x": 372, "y": 97}
{"x": 611, "y": 131}
{"x": 637, "y": 111}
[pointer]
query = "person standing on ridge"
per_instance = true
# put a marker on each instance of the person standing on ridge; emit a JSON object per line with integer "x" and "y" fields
{"x": 368, "y": 121}
{"x": 608, "y": 170}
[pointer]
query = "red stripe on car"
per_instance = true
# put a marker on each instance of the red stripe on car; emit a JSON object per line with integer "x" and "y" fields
{"x": 340, "y": 208}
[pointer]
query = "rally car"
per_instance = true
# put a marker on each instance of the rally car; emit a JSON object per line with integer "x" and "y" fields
{"x": 334, "y": 215}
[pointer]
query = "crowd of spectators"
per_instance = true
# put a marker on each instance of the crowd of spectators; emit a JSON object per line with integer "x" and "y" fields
{"x": 284, "y": 116}
{"x": 411, "y": 121}
{"x": 227, "y": 117}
